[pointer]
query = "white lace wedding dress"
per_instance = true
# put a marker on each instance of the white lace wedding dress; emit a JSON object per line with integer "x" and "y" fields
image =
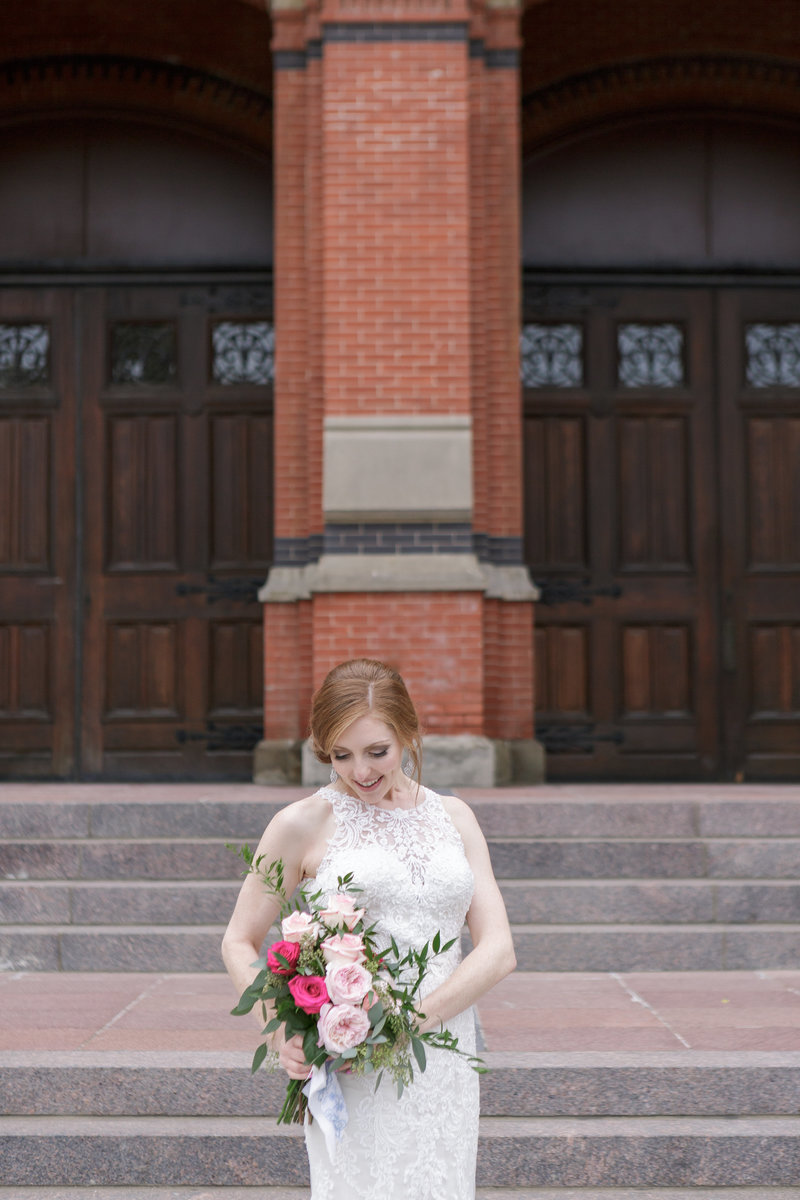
{"x": 416, "y": 880}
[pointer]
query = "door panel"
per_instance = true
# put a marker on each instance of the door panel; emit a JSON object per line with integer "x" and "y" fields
{"x": 131, "y": 642}
{"x": 621, "y": 505}
{"x": 760, "y": 445}
{"x": 37, "y": 533}
{"x": 178, "y": 478}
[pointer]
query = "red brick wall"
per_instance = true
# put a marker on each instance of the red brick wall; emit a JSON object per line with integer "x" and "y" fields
{"x": 434, "y": 639}
{"x": 397, "y": 291}
{"x": 292, "y": 418}
{"x": 396, "y": 221}
{"x": 509, "y": 670}
{"x": 287, "y": 670}
{"x": 503, "y": 444}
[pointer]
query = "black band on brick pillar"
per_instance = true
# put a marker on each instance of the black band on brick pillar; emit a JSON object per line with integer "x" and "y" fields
{"x": 502, "y": 551}
{"x": 398, "y": 31}
{"x": 399, "y": 537}
{"x": 289, "y": 60}
{"x": 502, "y": 57}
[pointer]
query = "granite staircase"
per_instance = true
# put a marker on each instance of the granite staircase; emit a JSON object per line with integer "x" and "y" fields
{"x": 586, "y": 1126}
{"x": 137, "y": 879}
{"x": 594, "y": 878}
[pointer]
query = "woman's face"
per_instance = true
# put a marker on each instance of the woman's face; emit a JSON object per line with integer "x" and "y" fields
{"x": 368, "y": 758}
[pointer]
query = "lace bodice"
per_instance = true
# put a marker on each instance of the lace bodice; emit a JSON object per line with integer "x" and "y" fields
{"x": 411, "y": 866}
{"x": 415, "y": 881}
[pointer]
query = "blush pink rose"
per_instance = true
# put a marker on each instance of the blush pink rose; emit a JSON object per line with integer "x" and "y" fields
{"x": 341, "y": 910}
{"x": 288, "y": 950}
{"x": 343, "y": 948}
{"x": 343, "y": 1027}
{"x": 348, "y": 984}
{"x": 297, "y": 925}
{"x": 309, "y": 992}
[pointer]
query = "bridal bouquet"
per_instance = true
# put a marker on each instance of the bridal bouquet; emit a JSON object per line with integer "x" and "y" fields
{"x": 353, "y": 1002}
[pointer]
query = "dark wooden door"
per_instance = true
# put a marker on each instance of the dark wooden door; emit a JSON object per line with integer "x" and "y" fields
{"x": 760, "y": 530}
{"x": 160, "y": 478}
{"x": 621, "y": 501}
{"x": 37, "y": 534}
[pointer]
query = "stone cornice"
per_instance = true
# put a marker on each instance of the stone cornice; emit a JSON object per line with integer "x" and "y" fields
{"x": 398, "y": 573}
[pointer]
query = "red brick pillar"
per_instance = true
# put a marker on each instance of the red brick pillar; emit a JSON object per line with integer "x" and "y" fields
{"x": 398, "y": 429}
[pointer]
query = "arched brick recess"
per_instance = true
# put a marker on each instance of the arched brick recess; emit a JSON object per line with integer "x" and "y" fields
{"x": 228, "y": 38}
{"x": 591, "y": 60}
{"x": 118, "y": 86}
{"x": 195, "y": 75}
{"x": 599, "y": 68}
{"x": 708, "y": 84}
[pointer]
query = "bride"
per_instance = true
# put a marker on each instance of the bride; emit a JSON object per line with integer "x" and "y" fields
{"x": 423, "y": 866}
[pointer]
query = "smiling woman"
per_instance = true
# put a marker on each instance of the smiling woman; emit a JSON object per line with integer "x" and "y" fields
{"x": 422, "y": 867}
{"x": 358, "y": 689}
{"x": 371, "y": 761}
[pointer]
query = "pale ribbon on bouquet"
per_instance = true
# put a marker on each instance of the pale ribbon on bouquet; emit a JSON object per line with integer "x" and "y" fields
{"x": 326, "y": 1105}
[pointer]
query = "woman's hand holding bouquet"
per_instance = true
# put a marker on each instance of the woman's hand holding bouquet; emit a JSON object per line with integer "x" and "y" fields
{"x": 351, "y": 1005}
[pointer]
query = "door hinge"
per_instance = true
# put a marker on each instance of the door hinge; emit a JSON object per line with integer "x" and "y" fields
{"x": 223, "y": 737}
{"x": 570, "y": 591}
{"x": 240, "y": 591}
{"x": 572, "y": 739}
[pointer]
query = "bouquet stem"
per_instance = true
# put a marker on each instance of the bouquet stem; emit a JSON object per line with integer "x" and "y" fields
{"x": 295, "y": 1104}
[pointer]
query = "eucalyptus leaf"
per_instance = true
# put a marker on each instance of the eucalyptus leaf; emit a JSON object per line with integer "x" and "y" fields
{"x": 245, "y": 1005}
{"x": 258, "y": 1057}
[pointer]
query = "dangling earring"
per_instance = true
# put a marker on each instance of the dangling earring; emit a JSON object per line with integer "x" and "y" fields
{"x": 334, "y": 776}
{"x": 408, "y": 768}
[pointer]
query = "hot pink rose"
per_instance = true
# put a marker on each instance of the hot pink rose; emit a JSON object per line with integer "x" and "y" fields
{"x": 343, "y": 948}
{"x": 297, "y": 925}
{"x": 342, "y": 1027}
{"x": 309, "y": 992}
{"x": 348, "y": 984}
{"x": 341, "y": 910}
{"x": 288, "y": 950}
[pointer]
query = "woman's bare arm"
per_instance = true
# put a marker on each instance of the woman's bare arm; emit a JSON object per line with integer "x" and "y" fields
{"x": 492, "y": 956}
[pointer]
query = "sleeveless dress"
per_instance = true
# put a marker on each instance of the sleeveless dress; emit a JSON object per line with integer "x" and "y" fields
{"x": 416, "y": 880}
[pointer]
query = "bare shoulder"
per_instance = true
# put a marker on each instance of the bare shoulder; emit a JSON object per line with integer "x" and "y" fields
{"x": 301, "y": 820}
{"x": 302, "y": 816}
{"x": 298, "y": 834}
{"x": 461, "y": 815}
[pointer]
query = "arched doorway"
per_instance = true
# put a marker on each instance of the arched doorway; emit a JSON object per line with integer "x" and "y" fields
{"x": 661, "y": 381}
{"x": 136, "y": 352}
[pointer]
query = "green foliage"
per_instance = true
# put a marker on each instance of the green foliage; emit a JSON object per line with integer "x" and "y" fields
{"x": 395, "y": 1042}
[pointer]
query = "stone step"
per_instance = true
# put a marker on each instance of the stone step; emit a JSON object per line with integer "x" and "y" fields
{"x": 551, "y": 902}
{"x": 657, "y": 948}
{"x": 554, "y": 811}
{"x": 514, "y": 1152}
{"x": 651, "y": 902}
{"x": 513, "y": 858}
{"x": 190, "y": 1193}
{"x": 150, "y": 1083}
{"x": 145, "y": 902}
{"x": 269, "y": 1193}
{"x": 722, "y": 858}
{"x": 620, "y": 947}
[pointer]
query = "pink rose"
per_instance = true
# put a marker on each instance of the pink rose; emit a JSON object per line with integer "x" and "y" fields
{"x": 343, "y": 948}
{"x": 309, "y": 992}
{"x": 348, "y": 984}
{"x": 288, "y": 950}
{"x": 341, "y": 910}
{"x": 297, "y": 925}
{"x": 342, "y": 1027}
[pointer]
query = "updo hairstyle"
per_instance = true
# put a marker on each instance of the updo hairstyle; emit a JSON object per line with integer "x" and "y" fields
{"x": 359, "y": 688}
